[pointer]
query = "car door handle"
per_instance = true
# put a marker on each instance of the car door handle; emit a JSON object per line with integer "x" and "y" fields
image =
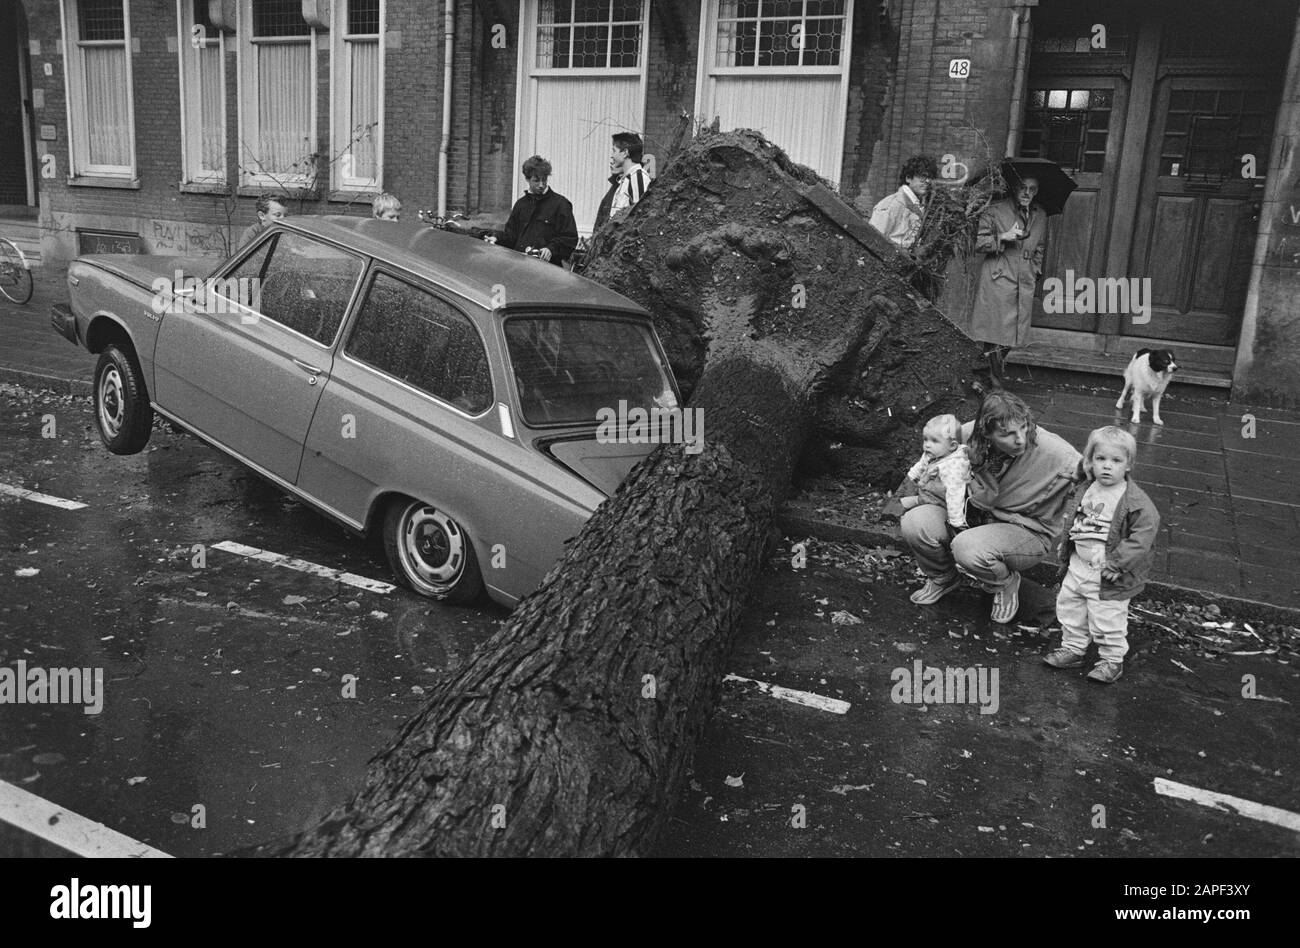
{"x": 307, "y": 367}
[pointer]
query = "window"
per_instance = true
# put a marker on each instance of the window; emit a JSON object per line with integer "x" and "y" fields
{"x": 99, "y": 87}
{"x": 780, "y": 33}
{"x": 422, "y": 340}
{"x": 568, "y": 369}
{"x": 297, "y": 282}
{"x": 277, "y": 95}
{"x": 1208, "y": 130}
{"x": 589, "y": 34}
{"x": 203, "y": 95}
{"x": 357, "y": 112}
{"x": 1069, "y": 126}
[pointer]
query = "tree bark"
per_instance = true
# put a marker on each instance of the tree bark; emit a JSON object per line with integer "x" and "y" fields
{"x": 571, "y": 730}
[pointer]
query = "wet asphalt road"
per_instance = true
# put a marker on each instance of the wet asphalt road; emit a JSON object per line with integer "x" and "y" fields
{"x": 225, "y": 686}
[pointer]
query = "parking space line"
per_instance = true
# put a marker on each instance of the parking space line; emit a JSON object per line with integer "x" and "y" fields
{"x": 806, "y": 698}
{"x": 1229, "y": 804}
{"x": 67, "y": 830}
{"x": 40, "y": 498}
{"x": 279, "y": 559}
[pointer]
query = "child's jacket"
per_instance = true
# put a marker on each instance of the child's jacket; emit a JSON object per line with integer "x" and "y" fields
{"x": 944, "y": 482}
{"x": 1130, "y": 545}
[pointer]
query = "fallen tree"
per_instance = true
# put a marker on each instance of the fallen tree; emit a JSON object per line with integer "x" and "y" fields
{"x": 570, "y": 731}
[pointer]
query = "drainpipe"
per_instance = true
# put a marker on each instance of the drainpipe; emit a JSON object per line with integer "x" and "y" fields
{"x": 1020, "y": 36}
{"x": 448, "y": 40}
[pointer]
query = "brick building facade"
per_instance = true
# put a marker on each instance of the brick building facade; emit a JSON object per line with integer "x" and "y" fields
{"x": 167, "y": 139}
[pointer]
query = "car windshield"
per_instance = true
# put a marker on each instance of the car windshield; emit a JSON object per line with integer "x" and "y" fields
{"x": 568, "y": 368}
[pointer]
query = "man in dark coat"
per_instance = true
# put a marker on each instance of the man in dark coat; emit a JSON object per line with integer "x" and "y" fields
{"x": 541, "y": 222}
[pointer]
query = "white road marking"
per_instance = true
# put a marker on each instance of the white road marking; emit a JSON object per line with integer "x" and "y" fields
{"x": 806, "y": 698}
{"x": 1229, "y": 804}
{"x": 67, "y": 830}
{"x": 279, "y": 559}
{"x": 40, "y": 498}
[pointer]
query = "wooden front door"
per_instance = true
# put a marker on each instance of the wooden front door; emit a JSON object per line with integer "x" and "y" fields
{"x": 1197, "y": 219}
{"x": 1155, "y": 126}
{"x": 1076, "y": 121}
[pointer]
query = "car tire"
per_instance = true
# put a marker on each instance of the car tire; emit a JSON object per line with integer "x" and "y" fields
{"x": 430, "y": 553}
{"x": 123, "y": 414}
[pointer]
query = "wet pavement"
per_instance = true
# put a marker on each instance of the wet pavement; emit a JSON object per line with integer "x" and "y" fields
{"x": 226, "y": 687}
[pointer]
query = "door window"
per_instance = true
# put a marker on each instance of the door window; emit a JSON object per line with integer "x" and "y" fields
{"x": 1069, "y": 126}
{"x": 1208, "y": 130}
{"x": 412, "y": 335}
{"x": 298, "y": 282}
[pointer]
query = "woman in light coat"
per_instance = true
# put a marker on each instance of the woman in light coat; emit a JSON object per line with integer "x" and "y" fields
{"x": 1011, "y": 235}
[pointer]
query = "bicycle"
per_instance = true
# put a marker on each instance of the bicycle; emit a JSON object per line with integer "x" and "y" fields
{"x": 15, "y": 273}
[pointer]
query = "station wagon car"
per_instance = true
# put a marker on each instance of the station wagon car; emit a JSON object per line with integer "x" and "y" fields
{"x": 438, "y": 391}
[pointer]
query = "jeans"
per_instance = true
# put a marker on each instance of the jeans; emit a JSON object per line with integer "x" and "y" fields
{"x": 989, "y": 554}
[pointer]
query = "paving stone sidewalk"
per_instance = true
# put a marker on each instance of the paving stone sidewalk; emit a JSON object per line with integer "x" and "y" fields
{"x": 1228, "y": 490}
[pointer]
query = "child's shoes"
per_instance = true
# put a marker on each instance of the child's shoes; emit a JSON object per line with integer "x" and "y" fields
{"x": 1063, "y": 658}
{"x": 1106, "y": 672}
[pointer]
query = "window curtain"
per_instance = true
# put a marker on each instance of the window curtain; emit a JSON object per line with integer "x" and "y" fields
{"x": 211, "y": 109}
{"x": 284, "y": 77}
{"x": 363, "y": 132}
{"x": 107, "y": 108}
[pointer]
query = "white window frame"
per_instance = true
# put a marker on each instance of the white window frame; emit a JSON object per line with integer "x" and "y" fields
{"x": 247, "y": 97}
{"x": 715, "y": 19}
{"x": 341, "y": 103}
{"x": 637, "y": 70}
{"x": 191, "y": 88}
{"x": 74, "y": 79}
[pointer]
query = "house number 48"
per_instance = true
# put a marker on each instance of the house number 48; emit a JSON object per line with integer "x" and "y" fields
{"x": 959, "y": 69}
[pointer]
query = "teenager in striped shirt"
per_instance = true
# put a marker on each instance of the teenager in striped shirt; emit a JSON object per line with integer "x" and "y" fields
{"x": 629, "y": 180}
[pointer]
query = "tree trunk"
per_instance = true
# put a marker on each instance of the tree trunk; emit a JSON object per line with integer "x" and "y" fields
{"x": 571, "y": 730}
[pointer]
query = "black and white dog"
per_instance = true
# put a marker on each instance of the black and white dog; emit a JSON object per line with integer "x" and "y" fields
{"x": 1148, "y": 373}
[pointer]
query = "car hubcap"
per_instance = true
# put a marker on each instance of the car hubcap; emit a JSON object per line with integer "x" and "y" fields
{"x": 112, "y": 406}
{"x": 432, "y": 547}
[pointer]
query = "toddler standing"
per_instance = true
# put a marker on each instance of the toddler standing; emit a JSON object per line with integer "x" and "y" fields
{"x": 1108, "y": 547}
{"x": 942, "y": 473}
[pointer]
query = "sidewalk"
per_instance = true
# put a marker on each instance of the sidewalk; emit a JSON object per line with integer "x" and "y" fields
{"x": 1230, "y": 504}
{"x": 31, "y": 353}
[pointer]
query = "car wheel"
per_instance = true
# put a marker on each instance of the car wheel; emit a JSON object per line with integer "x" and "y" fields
{"x": 122, "y": 411}
{"x": 431, "y": 553}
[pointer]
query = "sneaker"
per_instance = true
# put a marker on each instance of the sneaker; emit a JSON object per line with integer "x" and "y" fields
{"x": 933, "y": 591}
{"x": 1106, "y": 672}
{"x": 1006, "y": 601}
{"x": 1063, "y": 658}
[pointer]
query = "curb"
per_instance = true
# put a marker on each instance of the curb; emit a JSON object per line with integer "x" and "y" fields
{"x": 797, "y": 521}
{"x": 39, "y": 381}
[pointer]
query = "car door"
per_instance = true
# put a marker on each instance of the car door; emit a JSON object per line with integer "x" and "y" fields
{"x": 244, "y": 360}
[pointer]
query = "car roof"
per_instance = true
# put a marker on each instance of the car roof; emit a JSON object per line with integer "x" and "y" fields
{"x": 471, "y": 268}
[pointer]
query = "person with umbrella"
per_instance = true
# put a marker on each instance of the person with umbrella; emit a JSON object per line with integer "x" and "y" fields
{"x": 1011, "y": 238}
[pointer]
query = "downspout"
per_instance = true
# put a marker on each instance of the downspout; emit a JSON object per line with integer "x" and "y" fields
{"x": 448, "y": 41}
{"x": 1020, "y": 36}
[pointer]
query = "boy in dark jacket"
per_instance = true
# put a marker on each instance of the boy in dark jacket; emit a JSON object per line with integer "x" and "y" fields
{"x": 541, "y": 221}
{"x": 1108, "y": 546}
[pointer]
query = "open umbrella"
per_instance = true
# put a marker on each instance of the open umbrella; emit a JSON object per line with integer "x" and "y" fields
{"x": 1054, "y": 185}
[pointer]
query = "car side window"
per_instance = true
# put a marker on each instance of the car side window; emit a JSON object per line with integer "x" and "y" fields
{"x": 423, "y": 340}
{"x": 298, "y": 282}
